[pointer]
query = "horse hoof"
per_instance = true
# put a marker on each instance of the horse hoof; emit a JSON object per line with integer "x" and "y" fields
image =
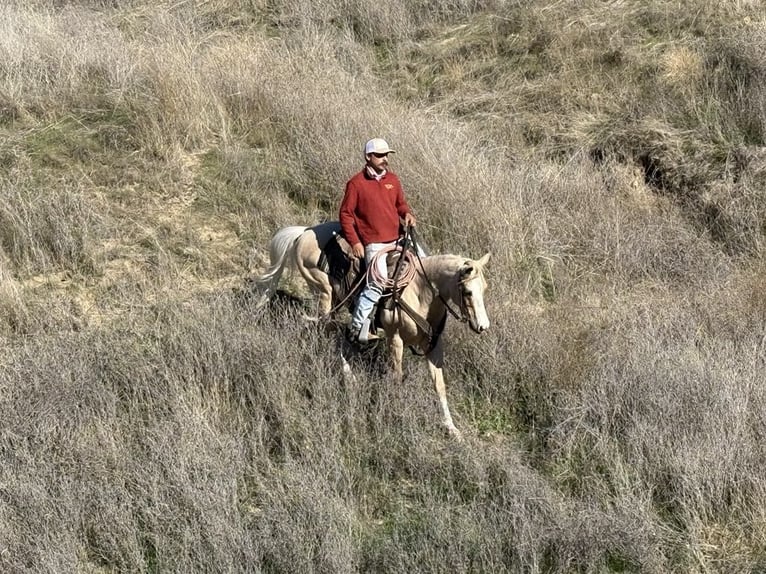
{"x": 455, "y": 433}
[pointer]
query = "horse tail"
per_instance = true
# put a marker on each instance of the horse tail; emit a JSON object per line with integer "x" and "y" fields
{"x": 280, "y": 256}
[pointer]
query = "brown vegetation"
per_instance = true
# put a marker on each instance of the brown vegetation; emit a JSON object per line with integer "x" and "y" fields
{"x": 609, "y": 154}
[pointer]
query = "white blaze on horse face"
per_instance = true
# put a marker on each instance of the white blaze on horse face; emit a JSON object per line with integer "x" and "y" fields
{"x": 478, "y": 319}
{"x": 477, "y": 316}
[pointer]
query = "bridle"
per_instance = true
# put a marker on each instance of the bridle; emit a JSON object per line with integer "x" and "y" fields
{"x": 462, "y": 314}
{"x": 463, "y": 291}
{"x": 465, "y": 297}
{"x": 397, "y": 287}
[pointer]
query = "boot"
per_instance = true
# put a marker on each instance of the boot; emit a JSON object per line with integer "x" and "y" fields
{"x": 365, "y": 336}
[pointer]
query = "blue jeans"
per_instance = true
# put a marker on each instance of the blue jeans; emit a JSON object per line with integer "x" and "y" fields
{"x": 372, "y": 291}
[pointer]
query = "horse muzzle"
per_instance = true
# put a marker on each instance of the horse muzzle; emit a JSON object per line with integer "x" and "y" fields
{"x": 478, "y": 326}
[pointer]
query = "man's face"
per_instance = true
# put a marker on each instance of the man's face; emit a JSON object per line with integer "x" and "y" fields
{"x": 378, "y": 161}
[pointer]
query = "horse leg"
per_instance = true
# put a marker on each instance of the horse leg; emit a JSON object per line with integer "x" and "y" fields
{"x": 348, "y": 374}
{"x": 395, "y": 352}
{"x": 305, "y": 258}
{"x": 435, "y": 366}
{"x": 319, "y": 283}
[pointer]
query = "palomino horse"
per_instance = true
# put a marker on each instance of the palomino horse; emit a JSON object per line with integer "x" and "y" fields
{"x": 443, "y": 284}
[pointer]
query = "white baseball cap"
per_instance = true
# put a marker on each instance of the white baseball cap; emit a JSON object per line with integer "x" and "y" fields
{"x": 377, "y": 145}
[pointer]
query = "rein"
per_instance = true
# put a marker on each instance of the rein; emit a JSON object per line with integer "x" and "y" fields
{"x": 461, "y": 316}
{"x": 432, "y": 334}
{"x": 399, "y": 281}
{"x": 351, "y": 292}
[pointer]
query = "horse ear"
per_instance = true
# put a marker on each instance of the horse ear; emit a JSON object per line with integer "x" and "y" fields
{"x": 483, "y": 261}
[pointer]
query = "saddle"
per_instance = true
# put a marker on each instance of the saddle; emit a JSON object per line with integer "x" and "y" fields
{"x": 346, "y": 271}
{"x": 343, "y": 269}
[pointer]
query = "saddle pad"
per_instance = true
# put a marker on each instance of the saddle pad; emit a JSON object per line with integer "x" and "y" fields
{"x": 341, "y": 268}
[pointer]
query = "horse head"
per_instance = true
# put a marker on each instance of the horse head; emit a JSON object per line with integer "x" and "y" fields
{"x": 472, "y": 285}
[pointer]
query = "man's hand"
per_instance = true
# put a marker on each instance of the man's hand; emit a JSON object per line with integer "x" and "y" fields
{"x": 409, "y": 220}
{"x": 358, "y": 250}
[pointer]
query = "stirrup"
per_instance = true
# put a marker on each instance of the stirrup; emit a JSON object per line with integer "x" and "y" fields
{"x": 365, "y": 335}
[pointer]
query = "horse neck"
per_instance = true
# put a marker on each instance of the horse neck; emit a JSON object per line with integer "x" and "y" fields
{"x": 441, "y": 271}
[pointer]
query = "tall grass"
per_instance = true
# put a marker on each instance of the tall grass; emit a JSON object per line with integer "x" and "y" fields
{"x": 607, "y": 154}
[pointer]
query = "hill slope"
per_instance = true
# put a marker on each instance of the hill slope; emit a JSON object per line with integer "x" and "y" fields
{"x": 610, "y": 155}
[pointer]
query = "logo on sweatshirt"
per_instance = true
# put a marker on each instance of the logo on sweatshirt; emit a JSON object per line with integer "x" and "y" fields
{"x": 389, "y": 186}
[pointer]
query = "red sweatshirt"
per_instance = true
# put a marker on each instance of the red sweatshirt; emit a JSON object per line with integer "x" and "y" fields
{"x": 370, "y": 210}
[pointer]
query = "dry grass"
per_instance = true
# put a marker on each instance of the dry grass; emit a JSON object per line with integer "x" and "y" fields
{"x": 608, "y": 154}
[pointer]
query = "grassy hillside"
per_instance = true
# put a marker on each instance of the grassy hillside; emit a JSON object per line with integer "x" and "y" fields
{"x": 609, "y": 154}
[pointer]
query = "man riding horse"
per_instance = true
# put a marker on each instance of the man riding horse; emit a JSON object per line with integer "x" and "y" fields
{"x": 441, "y": 285}
{"x": 370, "y": 214}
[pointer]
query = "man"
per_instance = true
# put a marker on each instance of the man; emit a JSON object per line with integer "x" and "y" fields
{"x": 370, "y": 218}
